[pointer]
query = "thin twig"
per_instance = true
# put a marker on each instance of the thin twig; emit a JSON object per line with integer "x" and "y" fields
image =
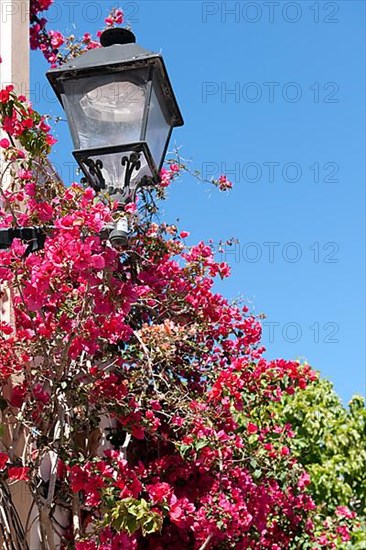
{"x": 125, "y": 445}
{"x": 76, "y": 516}
{"x": 206, "y": 543}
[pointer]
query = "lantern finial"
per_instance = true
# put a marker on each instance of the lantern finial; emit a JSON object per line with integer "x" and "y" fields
{"x": 117, "y": 35}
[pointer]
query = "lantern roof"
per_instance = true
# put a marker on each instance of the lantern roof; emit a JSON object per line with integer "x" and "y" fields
{"x": 119, "y": 51}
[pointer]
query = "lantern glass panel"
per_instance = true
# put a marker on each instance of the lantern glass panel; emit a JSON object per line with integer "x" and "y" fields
{"x": 106, "y": 110}
{"x": 158, "y": 129}
{"x": 112, "y": 170}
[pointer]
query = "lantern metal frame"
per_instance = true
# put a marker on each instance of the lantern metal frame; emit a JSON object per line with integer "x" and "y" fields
{"x": 83, "y": 158}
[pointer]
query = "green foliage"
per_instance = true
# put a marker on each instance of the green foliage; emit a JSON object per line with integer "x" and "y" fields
{"x": 330, "y": 441}
{"x": 130, "y": 515}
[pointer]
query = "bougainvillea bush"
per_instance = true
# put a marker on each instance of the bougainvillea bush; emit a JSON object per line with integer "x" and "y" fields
{"x": 142, "y": 392}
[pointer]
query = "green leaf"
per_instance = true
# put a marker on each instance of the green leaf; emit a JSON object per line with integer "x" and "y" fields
{"x": 200, "y": 444}
{"x": 152, "y": 524}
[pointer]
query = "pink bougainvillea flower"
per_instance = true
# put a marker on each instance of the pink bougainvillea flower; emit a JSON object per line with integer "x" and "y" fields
{"x": 5, "y": 328}
{"x": 3, "y": 460}
{"x": 50, "y": 140}
{"x": 304, "y": 480}
{"x": 252, "y": 428}
{"x": 159, "y": 492}
{"x": 224, "y": 184}
{"x": 131, "y": 207}
{"x": 4, "y": 143}
{"x": 5, "y": 93}
{"x": 18, "y": 473}
{"x": 344, "y": 511}
{"x": 57, "y": 39}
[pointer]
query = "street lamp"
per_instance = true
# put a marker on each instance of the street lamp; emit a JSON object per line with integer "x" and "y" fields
{"x": 121, "y": 110}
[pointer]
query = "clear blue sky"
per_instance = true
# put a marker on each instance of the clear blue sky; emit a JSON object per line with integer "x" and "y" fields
{"x": 291, "y": 134}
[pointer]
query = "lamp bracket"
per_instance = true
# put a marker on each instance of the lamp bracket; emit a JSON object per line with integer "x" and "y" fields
{"x": 34, "y": 237}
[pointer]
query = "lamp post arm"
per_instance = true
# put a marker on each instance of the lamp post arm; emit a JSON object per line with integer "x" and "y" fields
{"x": 34, "y": 236}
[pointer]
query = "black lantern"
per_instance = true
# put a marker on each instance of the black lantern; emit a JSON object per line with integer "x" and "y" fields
{"x": 121, "y": 110}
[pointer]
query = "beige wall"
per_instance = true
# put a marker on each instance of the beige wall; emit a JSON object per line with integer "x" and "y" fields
{"x": 14, "y": 44}
{"x": 14, "y": 69}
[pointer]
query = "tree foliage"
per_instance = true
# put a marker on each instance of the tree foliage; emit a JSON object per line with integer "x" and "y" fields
{"x": 330, "y": 442}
